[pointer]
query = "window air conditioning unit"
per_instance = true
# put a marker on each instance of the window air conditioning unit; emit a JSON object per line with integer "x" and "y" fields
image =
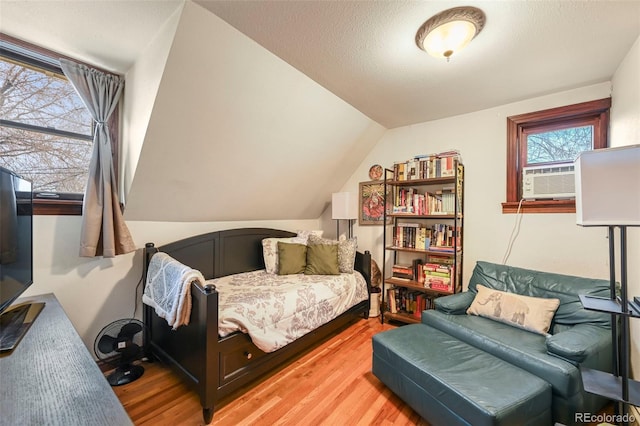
{"x": 551, "y": 181}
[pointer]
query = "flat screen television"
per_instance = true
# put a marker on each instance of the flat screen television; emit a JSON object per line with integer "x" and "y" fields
{"x": 16, "y": 257}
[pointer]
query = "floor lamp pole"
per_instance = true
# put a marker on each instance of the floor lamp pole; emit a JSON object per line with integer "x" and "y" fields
{"x": 624, "y": 329}
{"x": 620, "y": 343}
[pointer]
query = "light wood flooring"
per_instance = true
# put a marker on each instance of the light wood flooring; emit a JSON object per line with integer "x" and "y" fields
{"x": 329, "y": 385}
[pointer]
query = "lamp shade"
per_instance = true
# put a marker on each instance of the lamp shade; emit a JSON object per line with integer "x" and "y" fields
{"x": 450, "y": 31}
{"x": 343, "y": 206}
{"x": 608, "y": 187}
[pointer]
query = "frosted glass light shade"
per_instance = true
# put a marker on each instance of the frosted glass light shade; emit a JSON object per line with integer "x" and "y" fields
{"x": 608, "y": 187}
{"x": 450, "y": 31}
{"x": 449, "y": 38}
{"x": 343, "y": 206}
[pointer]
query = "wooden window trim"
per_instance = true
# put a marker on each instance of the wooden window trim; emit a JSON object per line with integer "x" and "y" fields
{"x": 67, "y": 207}
{"x": 57, "y": 207}
{"x": 596, "y": 112}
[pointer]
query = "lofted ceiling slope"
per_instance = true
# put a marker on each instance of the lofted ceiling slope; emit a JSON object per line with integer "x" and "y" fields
{"x": 364, "y": 51}
{"x": 238, "y": 134}
{"x": 266, "y": 107}
{"x": 110, "y": 34}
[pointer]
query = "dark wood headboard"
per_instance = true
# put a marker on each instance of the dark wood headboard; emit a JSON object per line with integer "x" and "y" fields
{"x": 222, "y": 253}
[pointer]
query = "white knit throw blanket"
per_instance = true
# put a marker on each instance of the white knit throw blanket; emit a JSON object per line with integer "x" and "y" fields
{"x": 168, "y": 288}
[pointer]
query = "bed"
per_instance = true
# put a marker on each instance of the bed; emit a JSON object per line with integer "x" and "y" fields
{"x": 215, "y": 366}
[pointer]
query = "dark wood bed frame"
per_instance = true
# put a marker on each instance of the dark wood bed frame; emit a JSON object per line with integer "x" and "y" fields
{"x": 217, "y": 367}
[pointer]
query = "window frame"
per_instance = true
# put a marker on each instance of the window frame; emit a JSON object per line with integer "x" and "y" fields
{"x": 594, "y": 113}
{"x": 61, "y": 204}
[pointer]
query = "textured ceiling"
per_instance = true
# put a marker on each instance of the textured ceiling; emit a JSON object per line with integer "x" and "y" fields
{"x": 110, "y": 34}
{"x": 364, "y": 51}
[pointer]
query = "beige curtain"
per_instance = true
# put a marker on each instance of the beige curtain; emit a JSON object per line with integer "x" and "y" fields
{"x": 104, "y": 232}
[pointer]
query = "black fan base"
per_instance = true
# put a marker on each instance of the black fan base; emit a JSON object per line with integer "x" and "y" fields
{"x": 125, "y": 374}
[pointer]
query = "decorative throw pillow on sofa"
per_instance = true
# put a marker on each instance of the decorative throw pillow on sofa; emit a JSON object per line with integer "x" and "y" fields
{"x": 322, "y": 259}
{"x": 531, "y": 313}
{"x": 346, "y": 251}
{"x": 292, "y": 258}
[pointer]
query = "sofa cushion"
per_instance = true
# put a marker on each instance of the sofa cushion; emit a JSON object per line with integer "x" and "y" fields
{"x": 517, "y": 346}
{"x": 456, "y": 304}
{"x": 531, "y": 313}
{"x": 450, "y": 382}
{"x": 582, "y": 343}
{"x": 527, "y": 282}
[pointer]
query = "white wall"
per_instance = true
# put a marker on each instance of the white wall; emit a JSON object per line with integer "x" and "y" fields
{"x": 236, "y": 133}
{"x": 625, "y": 130}
{"x": 550, "y": 242}
{"x": 141, "y": 87}
{"x": 96, "y": 291}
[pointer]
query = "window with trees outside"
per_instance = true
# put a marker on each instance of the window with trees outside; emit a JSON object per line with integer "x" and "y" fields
{"x": 45, "y": 130}
{"x": 553, "y": 137}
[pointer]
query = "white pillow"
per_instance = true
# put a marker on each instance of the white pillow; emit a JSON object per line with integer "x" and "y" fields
{"x": 304, "y": 234}
{"x": 270, "y": 251}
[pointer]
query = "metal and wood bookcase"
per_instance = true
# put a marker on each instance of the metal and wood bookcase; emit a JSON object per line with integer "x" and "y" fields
{"x": 401, "y": 248}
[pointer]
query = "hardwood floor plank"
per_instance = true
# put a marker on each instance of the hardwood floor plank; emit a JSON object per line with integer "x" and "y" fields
{"x": 331, "y": 384}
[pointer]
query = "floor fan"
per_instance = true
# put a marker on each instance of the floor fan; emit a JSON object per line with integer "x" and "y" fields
{"x": 120, "y": 344}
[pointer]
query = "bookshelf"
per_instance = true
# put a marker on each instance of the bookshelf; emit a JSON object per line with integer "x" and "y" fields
{"x": 422, "y": 257}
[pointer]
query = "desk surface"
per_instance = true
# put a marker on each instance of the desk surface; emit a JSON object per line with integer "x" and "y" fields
{"x": 51, "y": 378}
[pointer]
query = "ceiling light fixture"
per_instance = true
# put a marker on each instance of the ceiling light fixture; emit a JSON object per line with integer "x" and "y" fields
{"x": 450, "y": 31}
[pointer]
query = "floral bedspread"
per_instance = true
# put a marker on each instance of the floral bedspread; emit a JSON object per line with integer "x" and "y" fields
{"x": 277, "y": 309}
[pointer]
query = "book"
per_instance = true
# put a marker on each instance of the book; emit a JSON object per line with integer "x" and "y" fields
{"x": 391, "y": 301}
{"x": 442, "y": 248}
{"x": 418, "y": 273}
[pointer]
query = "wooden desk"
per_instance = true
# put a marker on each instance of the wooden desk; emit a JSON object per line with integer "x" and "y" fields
{"x": 51, "y": 378}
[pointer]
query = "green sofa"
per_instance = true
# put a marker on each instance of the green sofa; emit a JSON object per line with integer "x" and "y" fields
{"x": 577, "y": 337}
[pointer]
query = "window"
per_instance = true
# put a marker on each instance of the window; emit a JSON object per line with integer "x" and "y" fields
{"x": 552, "y": 137}
{"x": 45, "y": 129}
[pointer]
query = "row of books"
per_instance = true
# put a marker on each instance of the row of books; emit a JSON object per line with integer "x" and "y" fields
{"x": 436, "y": 273}
{"x": 426, "y": 166}
{"x": 406, "y": 271}
{"x": 411, "y": 201}
{"x": 411, "y": 302}
{"x": 437, "y": 237}
{"x": 438, "y": 276}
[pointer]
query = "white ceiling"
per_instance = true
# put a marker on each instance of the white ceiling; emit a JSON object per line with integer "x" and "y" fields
{"x": 364, "y": 51}
{"x": 110, "y": 34}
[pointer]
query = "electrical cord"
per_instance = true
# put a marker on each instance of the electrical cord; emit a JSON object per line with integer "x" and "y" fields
{"x": 514, "y": 233}
{"x": 135, "y": 298}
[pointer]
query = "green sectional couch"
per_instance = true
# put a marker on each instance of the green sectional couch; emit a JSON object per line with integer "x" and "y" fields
{"x": 576, "y": 337}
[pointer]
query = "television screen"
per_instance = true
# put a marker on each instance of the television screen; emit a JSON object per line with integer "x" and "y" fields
{"x": 16, "y": 227}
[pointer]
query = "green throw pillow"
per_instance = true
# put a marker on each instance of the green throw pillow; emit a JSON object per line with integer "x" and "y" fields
{"x": 292, "y": 258}
{"x": 322, "y": 259}
{"x": 346, "y": 251}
